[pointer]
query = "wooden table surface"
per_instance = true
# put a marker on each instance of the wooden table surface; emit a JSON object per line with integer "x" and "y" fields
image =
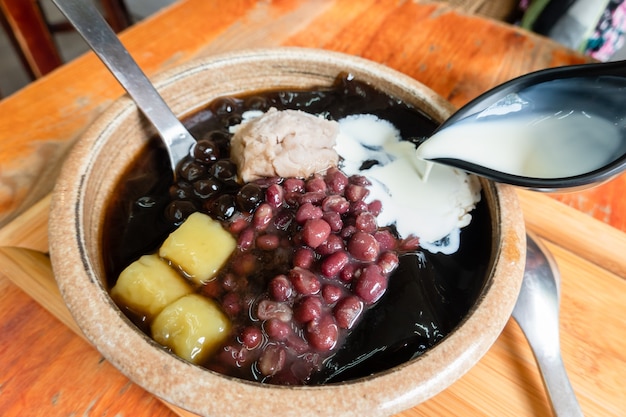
{"x": 48, "y": 370}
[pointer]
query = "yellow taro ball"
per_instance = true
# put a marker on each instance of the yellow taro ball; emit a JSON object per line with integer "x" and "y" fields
{"x": 200, "y": 246}
{"x": 147, "y": 285}
{"x": 193, "y": 327}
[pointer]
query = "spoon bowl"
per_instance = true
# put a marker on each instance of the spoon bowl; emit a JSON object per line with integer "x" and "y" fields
{"x": 559, "y": 129}
{"x": 90, "y": 24}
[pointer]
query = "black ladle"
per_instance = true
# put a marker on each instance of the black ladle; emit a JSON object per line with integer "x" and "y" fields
{"x": 597, "y": 89}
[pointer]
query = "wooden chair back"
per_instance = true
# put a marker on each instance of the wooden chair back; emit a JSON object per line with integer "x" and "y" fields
{"x": 32, "y": 36}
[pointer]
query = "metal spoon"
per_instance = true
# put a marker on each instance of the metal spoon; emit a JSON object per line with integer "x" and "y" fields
{"x": 537, "y": 313}
{"x": 90, "y": 24}
{"x": 571, "y": 106}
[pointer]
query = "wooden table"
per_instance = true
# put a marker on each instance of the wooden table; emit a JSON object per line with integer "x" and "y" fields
{"x": 48, "y": 370}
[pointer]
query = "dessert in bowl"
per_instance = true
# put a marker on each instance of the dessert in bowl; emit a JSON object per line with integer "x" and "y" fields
{"x": 323, "y": 302}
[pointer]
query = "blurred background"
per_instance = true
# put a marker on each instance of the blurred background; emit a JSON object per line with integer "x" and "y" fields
{"x": 593, "y": 27}
{"x": 13, "y": 76}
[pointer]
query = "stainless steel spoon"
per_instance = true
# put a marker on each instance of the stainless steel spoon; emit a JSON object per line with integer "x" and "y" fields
{"x": 537, "y": 313}
{"x": 90, "y": 24}
{"x": 567, "y": 106}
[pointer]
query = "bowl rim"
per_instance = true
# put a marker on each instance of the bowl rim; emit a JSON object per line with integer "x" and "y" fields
{"x": 175, "y": 380}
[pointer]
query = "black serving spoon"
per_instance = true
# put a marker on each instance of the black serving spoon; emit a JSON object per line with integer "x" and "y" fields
{"x": 557, "y": 113}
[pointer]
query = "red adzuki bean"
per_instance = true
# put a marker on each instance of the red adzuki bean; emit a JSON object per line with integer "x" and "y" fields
{"x": 272, "y": 360}
{"x": 388, "y": 262}
{"x": 283, "y": 219}
{"x": 334, "y": 221}
{"x": 234, "y": 355}
{"x": 364, "y": 247}
{"x": 262, "y": 216}
{"x": 359, "y": 180}
{"x": 385, "y": 239}
{"x": 294, "y": 185}
{"x": 322, "y": 334}
{"x": 304, "y": 281}
{"x": 335, "y": 203}
{"x": 293, "y": 198}
{"x": 274, "y": 196}
{"x": 308, "y": 308}
{"x": 336, "y": 180}
{"x": 366, "y": 222}
{"x": 267, "y": 242}
{"x": 297, "y": 343}
{"x": 315, "y": 232}
{"x": 334, "y": 263}
{"x": 308, "y": 211}
{"x": 375, "y": 207}
{"x": 316, "y": 184}
{"x": 348, "y": 273}
{"x": 251, "y": 337}
{"x": 355, "y": 192}
{"x": 331, "y": 293}
{"x": 314, "y": 197}
{"x": 348, "y": 311}
{"x": 277, "y": 329}
{"x": 238, "y": 224}
{"x": 331, "y": 245}
{"x": 245, "y": 239}
{"x": 303, "y": 258}
{"x": 231, "y": 304}
{"x": 371, "y": 284}
{"x": 273, "y": 309}
{"x": 358, "y": 207}
{"x": 347, "y": 231}
{"x": 280, "y": 288}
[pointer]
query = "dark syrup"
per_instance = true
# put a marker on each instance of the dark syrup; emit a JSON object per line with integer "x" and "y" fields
{"x": 428, "y": 295}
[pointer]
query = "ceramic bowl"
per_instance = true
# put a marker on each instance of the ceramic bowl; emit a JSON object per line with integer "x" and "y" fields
{"x": 113, "y": 141}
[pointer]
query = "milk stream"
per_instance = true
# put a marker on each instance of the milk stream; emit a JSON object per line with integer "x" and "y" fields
{"x": 557, "y": 129}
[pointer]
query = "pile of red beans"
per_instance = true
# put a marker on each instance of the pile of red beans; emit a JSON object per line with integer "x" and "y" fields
{"x": 310, "y": 259}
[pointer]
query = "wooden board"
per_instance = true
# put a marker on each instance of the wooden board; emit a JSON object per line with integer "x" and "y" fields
{"x": 505, "y": 382}
{"x": 48, "y": 370}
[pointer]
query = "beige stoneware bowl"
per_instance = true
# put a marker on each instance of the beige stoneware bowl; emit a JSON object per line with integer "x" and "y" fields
{"x": 96, "y": 164}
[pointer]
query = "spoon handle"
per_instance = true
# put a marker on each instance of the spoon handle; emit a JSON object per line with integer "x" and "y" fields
{"x": 557, "y": 383}
{"x": 90, "y": 24}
